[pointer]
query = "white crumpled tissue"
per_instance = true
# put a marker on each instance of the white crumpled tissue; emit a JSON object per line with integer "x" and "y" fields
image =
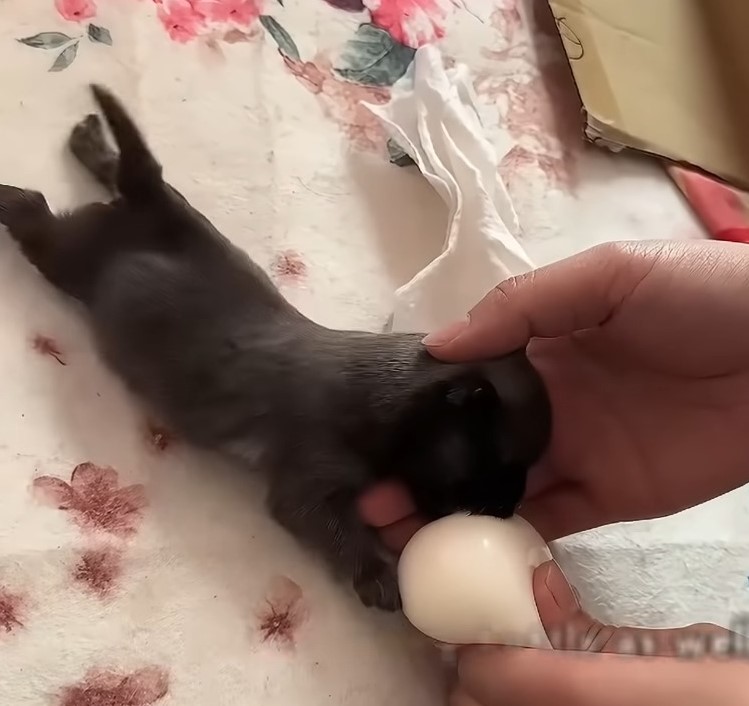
{"x": 433, "y": 116}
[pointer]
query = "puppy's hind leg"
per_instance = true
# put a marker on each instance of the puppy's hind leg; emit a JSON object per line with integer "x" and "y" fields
{"x": 89, "y": 145}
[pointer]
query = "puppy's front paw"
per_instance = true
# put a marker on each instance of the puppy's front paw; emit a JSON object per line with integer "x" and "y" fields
{"x": 377, "y": 586}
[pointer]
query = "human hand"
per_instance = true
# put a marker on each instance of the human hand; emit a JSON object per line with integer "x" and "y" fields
{"x": 645, "y": 353}
{"x": 600, "y": 665}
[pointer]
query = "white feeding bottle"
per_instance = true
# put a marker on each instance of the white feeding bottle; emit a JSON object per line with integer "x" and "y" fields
{"x": 468, "y": 579}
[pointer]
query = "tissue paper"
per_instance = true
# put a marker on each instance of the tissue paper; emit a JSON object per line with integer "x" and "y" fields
{"x": 434, "y": 117}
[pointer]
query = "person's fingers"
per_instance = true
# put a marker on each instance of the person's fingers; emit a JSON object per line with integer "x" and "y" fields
{"x": 578, "y": 293}
{"x": 555, "y": 599}
{"x": 569, "y": 627}
{"x": 565, "y": 623}
{"x": 385, "y": 503}
{"x": 460, "y": 698}
{"x": 560, "y": 511}
{"x": 583, "y": 670}
{"x": 396, "y": 536}
{"x": 498, "y": 676}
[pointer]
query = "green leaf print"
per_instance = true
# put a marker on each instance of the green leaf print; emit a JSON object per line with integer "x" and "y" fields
{"x": 374, "y": 58}
{"x": 99, "y": 34}
{"x": 65, "y": 58}
{"x": 285, "y": 43}
{"x": 46, "y": 40}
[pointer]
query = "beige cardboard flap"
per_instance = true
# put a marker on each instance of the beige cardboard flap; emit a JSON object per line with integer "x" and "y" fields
{"x": 662, "y": 76}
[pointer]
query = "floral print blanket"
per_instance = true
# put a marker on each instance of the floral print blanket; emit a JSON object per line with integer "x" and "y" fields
{"x": 133, "y": 570}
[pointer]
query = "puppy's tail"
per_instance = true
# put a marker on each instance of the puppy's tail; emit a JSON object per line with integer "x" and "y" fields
{"x": 139, "y": 175}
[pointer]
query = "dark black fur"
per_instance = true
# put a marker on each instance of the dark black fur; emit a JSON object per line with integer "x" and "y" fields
{"x": 200, "y": 332}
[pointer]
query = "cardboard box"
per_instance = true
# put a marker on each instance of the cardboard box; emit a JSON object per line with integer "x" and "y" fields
{"x": 666, "y": 77}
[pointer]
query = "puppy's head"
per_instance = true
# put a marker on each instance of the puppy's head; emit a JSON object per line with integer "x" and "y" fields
{"x": 469, "y": 434}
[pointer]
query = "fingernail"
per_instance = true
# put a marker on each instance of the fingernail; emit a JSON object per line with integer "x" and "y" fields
{"x": 560, "y": 588}
{"x": 447, "y": 334}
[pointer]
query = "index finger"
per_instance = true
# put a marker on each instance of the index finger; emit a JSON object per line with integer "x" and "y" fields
{"x": 575, "y": 294}
{"x": 385, "y": 503}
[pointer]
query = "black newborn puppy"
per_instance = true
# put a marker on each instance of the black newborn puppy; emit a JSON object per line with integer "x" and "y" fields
{"x": 200, "y": 332}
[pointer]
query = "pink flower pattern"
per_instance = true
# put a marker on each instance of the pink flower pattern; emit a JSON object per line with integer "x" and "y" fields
{"x": 98, "y": 569}
{"x": 141, "y": 688}
{"x": 289, "y": 267}
{"x": 184, "y": 20}
{"x": 282, "y": 613}
{"x": 180, "y": 19}
{"x": 76, "y": 10}
{"x": 240, "y": 12}
{"x": 342, "y": 102}
{"x": 94, "y": 500}
{"x": 11, "y": 605}
{"x": 539, "y": 103}
{"x": 411, "y": 22}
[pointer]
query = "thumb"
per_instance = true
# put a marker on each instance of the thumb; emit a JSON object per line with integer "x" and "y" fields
{"x": 569, "y": 627}
{"x": 578, "y": 293}
{"x": 498, "y": 676}
{"x": 598, "y": 665}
